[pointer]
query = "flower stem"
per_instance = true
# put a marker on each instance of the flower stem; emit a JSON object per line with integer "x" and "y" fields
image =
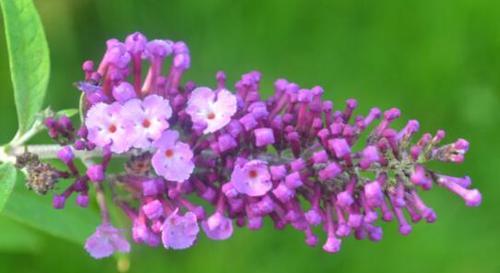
{"x": 44, "y": 151}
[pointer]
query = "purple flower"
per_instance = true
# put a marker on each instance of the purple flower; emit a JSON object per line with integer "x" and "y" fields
{"x": 252, "y": 179}
{"x": 135, "y": 43}
{"x": 373, "y": 193}
{"x": 108, "y": 126}
{"x": 82, "y": 200}
{"x": 96, "y": 173}
{"x": 158, "y": 48}
{"x": 472, "y": 197}
{"x": 370, "y": 155}
{"x": 105, "y": 241}
{"x": 66, "y": 154}
{"x": 58, "y": 201}
{"x": 329, "y": 172}
{"x": 340, "y": 147}
{"x": 153, "y": 210}
{"x": 172, "y": 159}
{"x": 116, "y": 55}
{"x": 263, "y": 137}
{"x": 123, "y": 92}
{"x": 289, "y": 157}
{"x": 211, "y": 109}
{"x": 149, "y": 117}
{"x": 218, "y": 227}
{"x": 180, "y": 232}
{"x": 226, "y": 142}
{"x": 142, "y": 234}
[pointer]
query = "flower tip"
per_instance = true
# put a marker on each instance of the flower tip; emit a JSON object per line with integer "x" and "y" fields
{"x": 123, "y": 92}
{"x": 153, "y": 210}
{"x": 88, "y": 66}
{"x": 344, "y": 199}
{"x": 340, "y": 147}
{"x": 473, "y": 198}
{"x": 255, "y": 223}
{"x": 96, "y": 173}
{"x": 58, "y": 201}
{"x": 392, "y": 114}
{"x": 343, "y": 230}
{"x": 405, "y": 229}
{"x": 376, "y": 234}
{"x": 355, "y": 220}
{"x": 462, "y": 144}
{"x": 313, "y": 217}
{"x": 430, "y": 216}
{"x": 158, "y": 48}
{"x": 135, "y": 42}
{"x": 332, "y": 244}
{"x": 82, "y": 200}
{"x": 66, "y": 154}
{"x": 280, "y": 84}
{"x": 263, "y": 137}
{"x": 351, "y": 103}
{"x": 218, "y": 227}
{"x": 311, "y": 240}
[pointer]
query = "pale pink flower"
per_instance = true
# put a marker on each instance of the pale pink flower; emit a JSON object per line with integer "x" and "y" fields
{"x": 252, "y": 178}
{"x": 209, "y": 109}
{"x": 180, "y": 232}
{"x": 172, "y": 159}
{"x": 107, "y": 126}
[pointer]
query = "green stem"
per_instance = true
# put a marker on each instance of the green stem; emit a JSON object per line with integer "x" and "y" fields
{"x": 44, "y": 151}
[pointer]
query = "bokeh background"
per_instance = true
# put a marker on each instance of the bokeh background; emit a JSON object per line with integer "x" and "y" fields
{"x": 438, "y": 60}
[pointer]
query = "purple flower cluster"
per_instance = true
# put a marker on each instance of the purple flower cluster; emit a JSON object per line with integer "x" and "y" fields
{"x": 290, "y": 157}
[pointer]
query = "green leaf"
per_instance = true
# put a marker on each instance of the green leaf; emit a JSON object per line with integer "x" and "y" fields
{"x": 18, "y": 238}
{"x": 28, "y": 57}
{"x": 7, "y": 180}
{"x": 71, "y": 223}
{"x": 67, "y": 112}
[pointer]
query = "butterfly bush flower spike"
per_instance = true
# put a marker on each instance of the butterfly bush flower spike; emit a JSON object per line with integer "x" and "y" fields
{"x": 292, "y": 157}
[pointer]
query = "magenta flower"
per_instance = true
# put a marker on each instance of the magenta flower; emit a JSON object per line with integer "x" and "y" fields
{"x": 107, "y": 126}
{"x": 150, "y": 118}
{"x": 252, "y": 179}
{"x": 172, "y": 159}
{"x": 105, "y": 241}
{"x": 218, "y": 227}
{"x": 180, "y": 232}
{"x": 209, "y": 109}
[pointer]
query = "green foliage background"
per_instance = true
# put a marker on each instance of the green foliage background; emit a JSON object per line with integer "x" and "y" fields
{"x": 438, "y": 60}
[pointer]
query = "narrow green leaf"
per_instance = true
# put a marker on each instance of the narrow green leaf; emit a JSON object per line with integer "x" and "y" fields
{"x": 67, "y": 112}
{"x": 7, "y": 180}
{"x": 28, "y": 57}
{"x": 71, "y": 223}
{"x": 81, "y": 107}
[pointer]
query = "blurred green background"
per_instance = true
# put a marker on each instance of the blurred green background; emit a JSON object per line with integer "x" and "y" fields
{"x": 438, "y": 60}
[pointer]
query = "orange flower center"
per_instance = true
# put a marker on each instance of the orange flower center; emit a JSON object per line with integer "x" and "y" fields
{"x": 112, "y": 128}
{"x": 169, "y": 153}
{"x": 146, "y": 123}
{"x": 211, "y": 115}
{"x": 252, "y": 173}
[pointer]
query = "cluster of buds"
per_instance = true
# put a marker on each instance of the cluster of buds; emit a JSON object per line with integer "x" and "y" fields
{"x": 290, "y": 157}
{"x": 60, "y": 129}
